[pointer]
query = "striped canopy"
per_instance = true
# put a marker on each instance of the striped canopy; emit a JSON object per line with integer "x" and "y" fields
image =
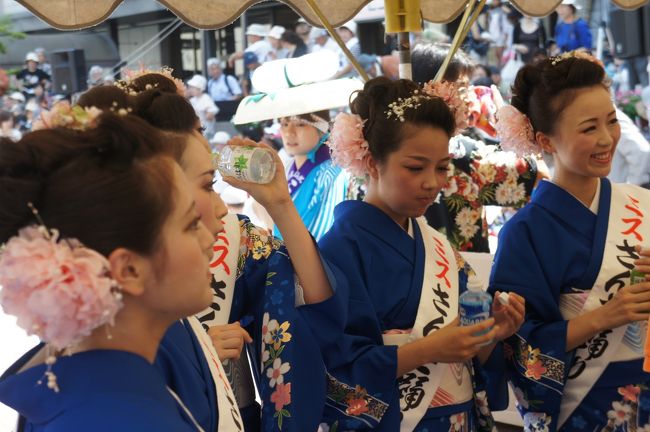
{"x": 212, "y": 14}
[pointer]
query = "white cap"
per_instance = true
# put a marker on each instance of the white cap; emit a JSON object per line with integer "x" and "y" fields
{"x": 198, "y": 81}
{"x": 220, "y": 137}
{"x": 31, "y": 56}
{"x": 350, "y": 25}
{"x": 260, "y": 30}
{"x": 573, "y": 3}
{"x": 215, "y": 61}
{"x": 474, "y": 283}
{"x": 276, "y": 32}
{"x": 317, "y": 32}
{"x": 17, "y": 96}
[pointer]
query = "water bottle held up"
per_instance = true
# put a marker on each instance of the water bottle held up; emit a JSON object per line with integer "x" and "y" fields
{"x": 475, "y": 304}
{"x": 246, "y": 163}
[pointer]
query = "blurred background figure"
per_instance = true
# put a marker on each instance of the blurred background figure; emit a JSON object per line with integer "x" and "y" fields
{"x": 303, "y": 29}
{"x": 348, "y": 33}
{"x": 31, "y": 76}
{"x": 275, "y": 38}
{"x": 95, "y": 76}
{"x": 218, "y": 140}
{"x": 322, "y": 40}
{"x": 203, "y": 104}
{"x": 293, "y": 44}
{"x": 571, "y": 32}
{"x": 7, "y": 129}
{"x": 257, "y": 44}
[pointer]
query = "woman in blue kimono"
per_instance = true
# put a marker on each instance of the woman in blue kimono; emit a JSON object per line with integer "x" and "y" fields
{"x": 283, "y": 306}
{"x": 576, "y": 363}
{"x": 404, "y": 363}
{"x": 102, "y": 251}
{"x": 315, "y": 184}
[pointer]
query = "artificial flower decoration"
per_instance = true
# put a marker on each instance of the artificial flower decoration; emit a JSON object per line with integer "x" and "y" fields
{"x": 58, "y": 289}
{"x": 455, "y": 96}
{"x": 516, "y": 132}
{"x": 130, "y": 75}
{"x": 64, "y": 115}
{"x": 347, "y": 144}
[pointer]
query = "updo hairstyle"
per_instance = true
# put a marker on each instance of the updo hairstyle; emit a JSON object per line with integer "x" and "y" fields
{"x": 383, "y": 134}
{"x": 108, "y": 187}
{"x": 543, "y": 90}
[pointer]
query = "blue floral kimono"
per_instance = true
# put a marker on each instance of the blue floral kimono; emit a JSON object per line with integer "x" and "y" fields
{"x": 100, "y": 390}
{"x": 385, "y": 268}
{"x": 286, "y": 353}
{"x": 316, "y": 188}
{"x": 550, "y": 250}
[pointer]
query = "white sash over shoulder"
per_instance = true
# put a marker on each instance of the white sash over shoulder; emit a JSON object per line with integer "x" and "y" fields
{"x": 438, "y": 307}
{"x": 223, "y": 267}
{"x": 628, "y": 226}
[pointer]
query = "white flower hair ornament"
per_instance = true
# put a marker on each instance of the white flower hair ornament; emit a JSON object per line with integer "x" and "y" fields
{"x": 58, "y": 289}
{"x": 516, "y": 132}
{"x": 348, "y": 147}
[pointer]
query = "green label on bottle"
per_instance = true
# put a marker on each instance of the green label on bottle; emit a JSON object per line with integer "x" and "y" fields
{"x": 636, "y": 277}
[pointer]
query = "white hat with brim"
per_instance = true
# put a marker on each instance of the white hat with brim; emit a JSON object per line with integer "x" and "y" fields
{"x": 17, "y": 96}
{"x": 260, "y": 30}
{"x": 303, "y": 99}
{"x": 31, "y": 56}
{"x": 573, "y": 3}
{"x": 198, "y": 81}
{"x": 276, "y": 32}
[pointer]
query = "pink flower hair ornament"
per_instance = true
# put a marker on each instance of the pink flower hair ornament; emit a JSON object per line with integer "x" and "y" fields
{"x": 58, "y": 289}
{"x": 66, "y": 116}
{"x": 348, "y": 146}
{"x": 516, "y": 132}
{"x": 455, "y": 96}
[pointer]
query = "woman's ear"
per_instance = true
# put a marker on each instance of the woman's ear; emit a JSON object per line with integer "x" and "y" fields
{"x": 545, "y": 142}
{"x": 372, "y": 168}
{"x": 129, "y": 270}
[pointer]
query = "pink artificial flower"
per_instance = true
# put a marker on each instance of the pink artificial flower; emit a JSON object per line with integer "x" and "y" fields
{"x": 455, "y": 96}
{"x": 58, "y": 290}
{"x": 64, "y": 115}
{"x": 516, "y": 132}
{"x": 347, "y": 144}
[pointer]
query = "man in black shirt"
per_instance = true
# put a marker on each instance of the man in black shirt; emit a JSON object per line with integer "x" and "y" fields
{"x": 30, "y": 77}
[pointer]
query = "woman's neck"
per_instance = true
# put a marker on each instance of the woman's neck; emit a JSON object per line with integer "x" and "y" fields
{"x": 374, "y": 199}
{"x": 134, "y": 331}
{"x": 582, "y": 188}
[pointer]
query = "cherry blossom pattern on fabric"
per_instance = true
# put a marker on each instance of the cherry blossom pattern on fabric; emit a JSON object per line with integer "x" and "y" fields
{"x": 59, "y": 290}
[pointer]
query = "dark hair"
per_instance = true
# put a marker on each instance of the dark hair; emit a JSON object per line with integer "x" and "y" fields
{"x": 5, "y": 116}
{"x": 325, "y": 115}
{"x": 427, "y": 59}
{"x": 383, "y": 134}
{"x": 292, "y": 38}
{"x": 152, "y": 81}
{"x": 108, "y": 187}
{"x": 544, "y": 89}
{"x": 105, "y": 97}
{"x": 166, "y": 111}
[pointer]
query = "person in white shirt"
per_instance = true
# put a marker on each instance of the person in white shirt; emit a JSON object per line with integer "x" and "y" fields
{"x": 274, "y": 37}
{"x": 222, "y": 87}
{"x": 203, "y": 104}
{"x": 347, "y": 32}
{"x": 631, "y": 163}
{"x": 256, "y": 43}
{"x": 321, "y": 40}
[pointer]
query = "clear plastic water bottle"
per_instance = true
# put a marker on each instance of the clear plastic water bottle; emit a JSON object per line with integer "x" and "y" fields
{"x": 475, "y": 304}
{"x": 246, "y": 163}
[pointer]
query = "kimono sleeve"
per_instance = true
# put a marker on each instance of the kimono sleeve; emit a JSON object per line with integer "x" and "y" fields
{"x": 362, "y": 371}
{"x": 537, "y": 361}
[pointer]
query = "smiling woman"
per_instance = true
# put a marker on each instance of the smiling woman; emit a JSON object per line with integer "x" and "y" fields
{"x": 569, "y": 252}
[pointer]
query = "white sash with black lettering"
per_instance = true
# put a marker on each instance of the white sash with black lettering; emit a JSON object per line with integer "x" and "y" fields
{"x": 438, "y": 307}
{"x": 223, "y": 267}
{"x": 229, "y": 415}
{"x": 628, "y": 226}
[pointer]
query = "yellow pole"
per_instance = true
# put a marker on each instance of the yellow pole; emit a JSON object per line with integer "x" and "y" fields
{"x": 323, "y": 19}
{"x": 456, "y": 41}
